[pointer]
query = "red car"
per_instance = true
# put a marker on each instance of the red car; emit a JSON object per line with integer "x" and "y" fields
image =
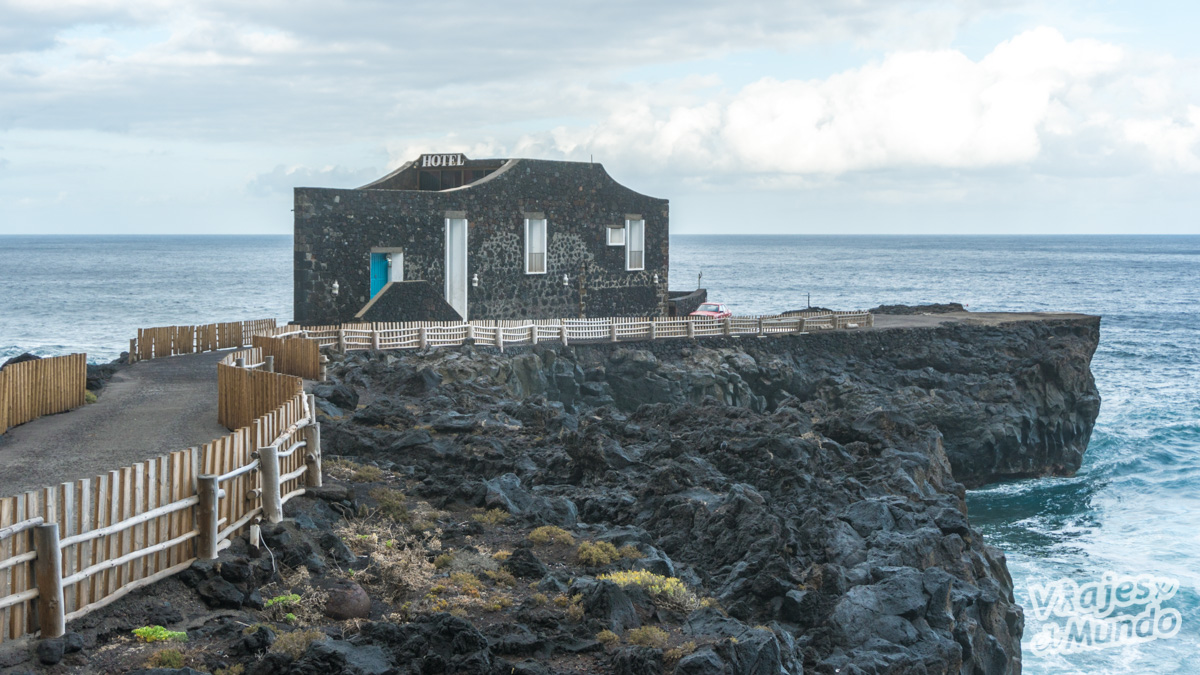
{"x": 712, "y": 310}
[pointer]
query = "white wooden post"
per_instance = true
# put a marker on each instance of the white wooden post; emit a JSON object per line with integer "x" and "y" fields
{"x": 533, "y": 334}
{"x": 471, "y": 332}
{"x": 728, "y": 326}
{"x": 312, "y": 448}
{"x": 653, "y": 330}
{"x": 423, "y": 337}
{"x": 206, "y": 517}
{"x": 612, "y": 328}
{"x": 691, "y": 329}
{"x": 374, "y": 338}
{"x": 323, "y": 373}
{"x": 342, "y": 340}
{"x": 48, "y": 574}
{"x": 761, "y": 328}
{"x": 268, "y": 461}
{"x": 562, "y": 332}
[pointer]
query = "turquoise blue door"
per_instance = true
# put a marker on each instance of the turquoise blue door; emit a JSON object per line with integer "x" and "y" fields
{"x": 379, "y": 272}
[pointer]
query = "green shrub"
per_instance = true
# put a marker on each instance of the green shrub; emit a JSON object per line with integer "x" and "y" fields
{"x": 283, "y": 601}
{"x": 158, "y": 634}
{"x": 607, "y": 637}
{"x": 443, "y": 561}
{"x": 89, "y": 396}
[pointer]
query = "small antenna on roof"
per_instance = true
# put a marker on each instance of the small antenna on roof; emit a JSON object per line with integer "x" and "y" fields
{"x": 591, "y": 159}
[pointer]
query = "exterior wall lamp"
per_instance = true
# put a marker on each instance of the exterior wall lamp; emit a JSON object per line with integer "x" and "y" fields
{"x": 475, "y": 280}
{"x": 566, "y": 282}
{"x": 656, "y": 278}
{"x": 335, "y": 288}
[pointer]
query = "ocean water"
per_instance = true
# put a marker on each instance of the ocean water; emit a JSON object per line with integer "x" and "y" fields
{"x": 1133, "y": 509}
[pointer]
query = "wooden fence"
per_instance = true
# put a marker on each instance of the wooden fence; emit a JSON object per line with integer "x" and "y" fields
{"x": 292, "y": 355}
{"x": 155, "y": 343}
{"x": 248, "y": 391}
{"x": 419, "y": 335}
{"x": 31, "y": 389}
{"x": 68, "y": 550}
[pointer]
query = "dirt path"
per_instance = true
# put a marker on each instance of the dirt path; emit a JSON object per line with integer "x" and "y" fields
{"x": 146, "y": 410}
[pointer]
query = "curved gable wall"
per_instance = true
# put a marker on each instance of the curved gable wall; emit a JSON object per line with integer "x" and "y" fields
{"x": 335, "y": 231}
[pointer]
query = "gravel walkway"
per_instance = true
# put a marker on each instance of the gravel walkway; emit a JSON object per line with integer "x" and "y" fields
{"x": 146, "y": 410}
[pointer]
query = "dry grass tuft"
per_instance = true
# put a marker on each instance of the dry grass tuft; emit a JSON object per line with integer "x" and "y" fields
{"x": 648, "y": 636}
{"x": 491, "y": 517}
{"x": 400, "y": 568}
{"x": 294, "y": 644}
{"x": 392, "y": 504}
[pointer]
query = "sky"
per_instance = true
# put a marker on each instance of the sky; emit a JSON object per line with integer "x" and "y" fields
{"x": 814, "y": 117}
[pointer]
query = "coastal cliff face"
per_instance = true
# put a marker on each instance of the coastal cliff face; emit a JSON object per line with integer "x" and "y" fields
{"x": 813, "y": 485}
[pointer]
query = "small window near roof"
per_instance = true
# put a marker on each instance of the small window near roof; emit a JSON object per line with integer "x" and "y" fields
{"x": 616, "y": 236}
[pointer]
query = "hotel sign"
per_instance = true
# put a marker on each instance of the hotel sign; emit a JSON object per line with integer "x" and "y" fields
{"x": 440, "y": 161}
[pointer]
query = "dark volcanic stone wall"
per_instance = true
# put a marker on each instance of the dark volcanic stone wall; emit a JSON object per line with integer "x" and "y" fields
{"x": 336, "y": 229}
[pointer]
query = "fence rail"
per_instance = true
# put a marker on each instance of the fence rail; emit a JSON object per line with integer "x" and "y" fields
{"x": 155, "y": 343}
{"x": 417, "y": 335}
{"x": 73, "y": 548}
{"x": 31, "y": 389}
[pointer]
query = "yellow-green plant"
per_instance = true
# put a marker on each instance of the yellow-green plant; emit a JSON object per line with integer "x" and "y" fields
{"x": 648, "y": 636}
{"x": 549, "y": 534}
{"x": 491, "y": 517}
{"x": 667, "y": 591}
{"x": 283, "y": 601}
{"x": 158, "y": 634}
{"x": 607, "y": 637}
{"x": 596, "y": 553}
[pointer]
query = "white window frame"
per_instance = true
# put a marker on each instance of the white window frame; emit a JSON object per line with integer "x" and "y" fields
{"x": 629, "y": 245}
{"x": 619, "y": 239}
{"x": 529, "y": 249}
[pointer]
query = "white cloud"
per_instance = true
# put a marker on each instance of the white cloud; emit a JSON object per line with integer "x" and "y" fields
{"x": 1174, "y": 144}
{"x": 911, "y": 109}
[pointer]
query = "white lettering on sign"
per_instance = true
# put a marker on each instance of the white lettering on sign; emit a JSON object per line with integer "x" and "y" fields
{"x": 438, "y": 161}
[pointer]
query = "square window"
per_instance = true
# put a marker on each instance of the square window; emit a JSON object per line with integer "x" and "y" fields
{"x": 616, "y": 236}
